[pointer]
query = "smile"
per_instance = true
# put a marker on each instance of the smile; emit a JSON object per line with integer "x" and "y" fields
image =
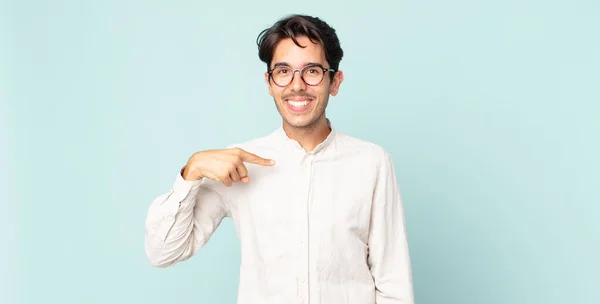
{"x": 298, "y": 105}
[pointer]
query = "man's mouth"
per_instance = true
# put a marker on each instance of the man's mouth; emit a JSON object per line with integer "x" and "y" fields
{"x": 298, "y": 104}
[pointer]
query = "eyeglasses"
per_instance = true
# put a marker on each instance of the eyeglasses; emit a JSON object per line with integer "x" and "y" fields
{"x": 312, "y": 75}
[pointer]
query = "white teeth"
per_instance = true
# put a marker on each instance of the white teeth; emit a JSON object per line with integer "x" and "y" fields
{"x": 298, "y": 103}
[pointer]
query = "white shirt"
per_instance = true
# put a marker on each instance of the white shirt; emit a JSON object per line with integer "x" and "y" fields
{"x": 319, "y": 227}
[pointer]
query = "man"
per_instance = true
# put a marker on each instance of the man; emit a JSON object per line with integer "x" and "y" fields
{"x": 317, "y": 212}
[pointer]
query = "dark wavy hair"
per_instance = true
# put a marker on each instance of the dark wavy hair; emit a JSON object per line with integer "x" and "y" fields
{"x": 294, "y": 26}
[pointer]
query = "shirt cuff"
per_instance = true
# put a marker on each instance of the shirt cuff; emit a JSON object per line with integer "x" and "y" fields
{"x": 185, "y": 184}
{"x": 183, "y": 192}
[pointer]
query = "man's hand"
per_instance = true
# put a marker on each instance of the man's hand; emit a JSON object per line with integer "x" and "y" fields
{"x": 226, "y": 166}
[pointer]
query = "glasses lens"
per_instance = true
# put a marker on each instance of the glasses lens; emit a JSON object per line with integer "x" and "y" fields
{"x": 282, "y": 76}
{"x": 312, "y": 75}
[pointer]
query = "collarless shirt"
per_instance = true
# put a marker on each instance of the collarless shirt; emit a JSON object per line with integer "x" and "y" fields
{"x": 319, "y": 227}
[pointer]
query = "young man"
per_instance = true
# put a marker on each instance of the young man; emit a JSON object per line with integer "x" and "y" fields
{"x": 318, "y": 212}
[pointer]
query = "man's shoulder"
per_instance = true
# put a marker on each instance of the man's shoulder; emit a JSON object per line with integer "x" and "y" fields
{"x": 366, "y": 147}
{"x": 373, "y": 156}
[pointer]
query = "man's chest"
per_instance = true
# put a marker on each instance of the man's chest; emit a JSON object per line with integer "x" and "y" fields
{"x": 320, "y": 200}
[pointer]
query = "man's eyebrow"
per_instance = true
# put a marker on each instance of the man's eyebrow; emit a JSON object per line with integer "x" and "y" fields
{"x": 285, "y": 64}
{"x": 313, "y": 63}
{"x": 280, "y": 64}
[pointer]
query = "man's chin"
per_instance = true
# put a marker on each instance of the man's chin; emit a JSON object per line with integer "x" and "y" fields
{"x": 301, "y": 121}
{"x": 297, "y": 122}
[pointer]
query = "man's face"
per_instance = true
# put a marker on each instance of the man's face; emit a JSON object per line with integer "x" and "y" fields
{"x": 302, "y": 105}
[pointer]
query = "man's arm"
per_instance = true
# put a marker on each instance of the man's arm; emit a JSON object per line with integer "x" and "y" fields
{"x": 389, "y": 259}
{"x": 181, "y": 221}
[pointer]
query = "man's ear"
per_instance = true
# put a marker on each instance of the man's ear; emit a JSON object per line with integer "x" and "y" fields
{"x": 334, "y": 87}
{"x": 268, "y": 83}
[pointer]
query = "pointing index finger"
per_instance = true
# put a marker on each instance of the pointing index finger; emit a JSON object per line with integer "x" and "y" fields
{"x": 255, "y": 159}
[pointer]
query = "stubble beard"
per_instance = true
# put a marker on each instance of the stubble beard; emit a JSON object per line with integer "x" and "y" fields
{"x": 304, "y": 126}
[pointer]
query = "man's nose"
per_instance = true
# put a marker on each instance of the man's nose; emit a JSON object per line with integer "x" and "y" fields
{"x": 297, "y": 82}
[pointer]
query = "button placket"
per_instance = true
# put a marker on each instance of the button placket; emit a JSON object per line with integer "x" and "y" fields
{"x": 305, "y": 280}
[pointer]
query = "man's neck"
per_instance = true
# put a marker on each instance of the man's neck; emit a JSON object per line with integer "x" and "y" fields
{"x": 309, "y": 137}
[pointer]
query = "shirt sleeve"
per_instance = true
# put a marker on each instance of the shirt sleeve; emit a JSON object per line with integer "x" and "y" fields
{"x": 389, "y": 259}
{"x": 181, "y": 221}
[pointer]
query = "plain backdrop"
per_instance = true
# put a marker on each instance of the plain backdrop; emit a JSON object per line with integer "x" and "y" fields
{"x": 490, "y": 110}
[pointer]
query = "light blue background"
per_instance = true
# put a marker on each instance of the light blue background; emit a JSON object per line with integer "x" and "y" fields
{"x": 489, "y": 108}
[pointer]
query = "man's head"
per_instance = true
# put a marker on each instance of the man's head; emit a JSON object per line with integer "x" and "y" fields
{"x": 296, "y": 48}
